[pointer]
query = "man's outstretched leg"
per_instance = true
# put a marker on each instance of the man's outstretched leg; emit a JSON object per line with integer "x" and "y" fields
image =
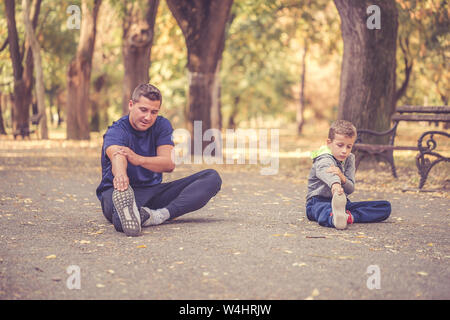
{"x": 173, "y": 199}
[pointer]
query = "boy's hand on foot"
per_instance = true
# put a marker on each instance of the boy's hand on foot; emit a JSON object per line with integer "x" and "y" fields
{"x": 337, "y": 188}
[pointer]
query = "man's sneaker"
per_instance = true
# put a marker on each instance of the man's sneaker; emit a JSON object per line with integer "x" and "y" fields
{"x": 155, "y": 217}
{"x": 338, "y": 211}
{"x": 127, "y": 211}
{"x": 145, "y": 215}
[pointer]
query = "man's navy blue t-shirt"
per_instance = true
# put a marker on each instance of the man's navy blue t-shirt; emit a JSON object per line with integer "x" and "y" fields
{"x": 143, "y": 143}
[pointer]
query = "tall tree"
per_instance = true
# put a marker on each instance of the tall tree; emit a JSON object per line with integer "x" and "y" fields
{"x": 2, "y": 125}
{"x": 37, "y": 61}
{"x": 28, "y": 66}
{"x": 79, "y": 74}
{"x": 20, "y": 114}
{"x": 138, "y": 33}
{"x": 203, "y": 25}
{"x": 367, "y": 85}
{"x": 300, "y": 118}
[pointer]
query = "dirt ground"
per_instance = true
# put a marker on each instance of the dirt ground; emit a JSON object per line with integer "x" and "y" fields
{"x": 252, "y": 241}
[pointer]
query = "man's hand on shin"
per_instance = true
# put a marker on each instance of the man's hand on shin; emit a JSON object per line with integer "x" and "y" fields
{"x": 118, "y": 168}
{"x": 132, "y": 157}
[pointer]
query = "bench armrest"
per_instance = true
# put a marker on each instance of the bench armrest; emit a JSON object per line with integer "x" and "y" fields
{"x": 430, "y": 143}
{"x": 391, "y": 132}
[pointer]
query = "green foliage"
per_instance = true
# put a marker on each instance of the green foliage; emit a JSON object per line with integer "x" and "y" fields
{"x": 263, "y": 54}
{"x": 168, "y": 70}
{"x": 261, "y": 63}
{"x": 426, "y": 26}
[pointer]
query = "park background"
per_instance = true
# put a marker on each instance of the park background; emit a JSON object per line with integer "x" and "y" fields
{"x": 274, "y": 65}
{"x": 232, "y": 64}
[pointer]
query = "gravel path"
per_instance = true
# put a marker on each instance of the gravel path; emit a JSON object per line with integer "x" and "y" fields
{"x": 252, "y": 241}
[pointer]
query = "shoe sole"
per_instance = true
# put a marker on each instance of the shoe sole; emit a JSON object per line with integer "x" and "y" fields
{"x": 128, "y": 212}
{"x": 339, "y": 216}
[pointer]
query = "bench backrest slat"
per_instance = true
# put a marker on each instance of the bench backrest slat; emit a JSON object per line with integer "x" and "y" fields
{"x": 423, "y": 109}
{"x": 421, "y": 117}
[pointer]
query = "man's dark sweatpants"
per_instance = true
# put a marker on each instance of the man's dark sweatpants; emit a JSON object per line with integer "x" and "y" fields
{"x": 319, "y": 209}
{"x": 179, "y": 197}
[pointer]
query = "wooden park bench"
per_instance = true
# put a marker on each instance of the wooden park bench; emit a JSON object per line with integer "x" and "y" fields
{"x": 426, "y": 143}
{"x": 26, "y": 131}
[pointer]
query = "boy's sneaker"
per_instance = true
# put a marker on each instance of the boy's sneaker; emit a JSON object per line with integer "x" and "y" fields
{"x": 350, "y": 219}
{"x": 127, "y": 211}
{"x": 338, "y": 211}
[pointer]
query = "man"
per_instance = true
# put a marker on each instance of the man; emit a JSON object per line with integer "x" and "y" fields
{"x": 136, "y": 150}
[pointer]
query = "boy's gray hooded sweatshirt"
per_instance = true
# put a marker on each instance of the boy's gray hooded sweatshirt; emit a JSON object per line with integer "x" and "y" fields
{"x": 320, "y": 181}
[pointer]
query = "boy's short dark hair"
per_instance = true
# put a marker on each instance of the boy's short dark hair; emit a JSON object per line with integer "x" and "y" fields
{"x": 147, "y": 90}
{"x": 343, "y": 127}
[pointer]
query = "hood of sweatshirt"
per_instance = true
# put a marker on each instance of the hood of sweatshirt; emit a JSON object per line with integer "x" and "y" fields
{"x": 324, "y": 151}
{"x": 321, "y": 151}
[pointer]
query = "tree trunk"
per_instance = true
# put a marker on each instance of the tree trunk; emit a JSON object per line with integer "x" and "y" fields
{"x": 20, "y": 114}
{"x": 404, "y": 46}
{"x": 37, "y": 61}
{"x": 367, "y": 85}
{"x": 2, "y": 125}
{"x": 95, "y": 103}
{"x": 216, "y": 106}
{"x": 203, "y": 25}
{"x": 301, "y": 107}
{"x": 138, "y": 34}
{"x": 79, "y": 74}
{"x": 234, "y": 112}
{"x": 28, "y": 55}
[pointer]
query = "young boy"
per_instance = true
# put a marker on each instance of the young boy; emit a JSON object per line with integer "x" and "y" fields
{"x": 332, "y": 178}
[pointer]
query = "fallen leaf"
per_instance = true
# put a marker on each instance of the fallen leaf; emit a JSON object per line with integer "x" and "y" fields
{"x": 299, "y": 264}
{"x": 142, "y": 246}
{"x": 52, "y": 256}
{"x": 315, "y": 293}
{"x": 288, "y": 235}
{"x": 346, "y": 258}
{"x": 422, "y": 273}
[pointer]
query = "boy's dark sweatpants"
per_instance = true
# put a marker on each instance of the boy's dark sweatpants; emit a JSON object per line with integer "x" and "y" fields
{"x": 319, "y": 209}
{"x": 179, "y": 197}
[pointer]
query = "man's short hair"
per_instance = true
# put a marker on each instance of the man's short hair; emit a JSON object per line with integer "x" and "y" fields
{"x": 147, "y": 90}
{"x": 343, "y": 127}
